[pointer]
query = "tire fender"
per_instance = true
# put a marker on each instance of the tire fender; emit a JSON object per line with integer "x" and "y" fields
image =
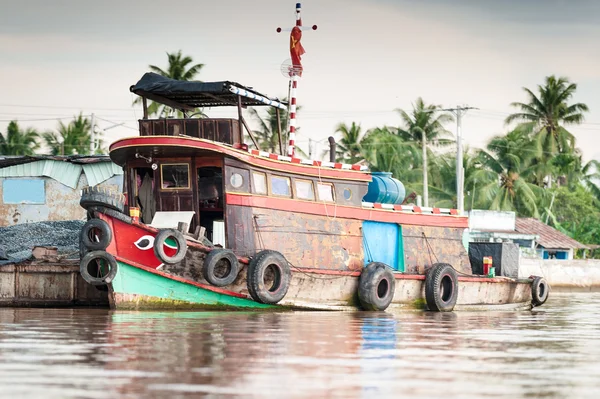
{"x": 96, "y": 273}
{"x": 159, "y": 246}
{"x": 376, "y": 286}
{"x": 217, "y": 259}
{"x": 539, "y": 291}
{"x": 441, "y": 287}
{"x": 96, "y": 235}
{"x": 264, "y": 265}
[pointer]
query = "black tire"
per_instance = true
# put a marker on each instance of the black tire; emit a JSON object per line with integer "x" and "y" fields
{"x": 269, "y": 277}
{"x": 96, "y": 235}
{"x": 539, "y": 291}
{"x": 159, "y": 248}
{"x": 376, "y": 286}
{"x": 221, "y": 267}
{"x": 95, "y": 273}
{"x": 100, "y": 196}
{"x": 441, "y": 288}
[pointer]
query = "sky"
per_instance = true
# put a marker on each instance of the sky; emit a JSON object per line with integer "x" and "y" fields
{"x": 366, "y": 59}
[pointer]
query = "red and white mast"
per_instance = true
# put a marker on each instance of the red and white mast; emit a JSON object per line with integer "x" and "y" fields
{"x": 296, "y": 51}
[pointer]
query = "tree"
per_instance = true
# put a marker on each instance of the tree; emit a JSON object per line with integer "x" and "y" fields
{"x": 385, "y": 151}
{"x": 544, "y": 117}
{"x": 424, "y": 124}
{"x": 71, "y": 139}
{"x": 267, "y": 134}
{"x": 177, "y": 69}
{"x": 17, "y": 141}
{"x": 502, "y": 169}
{"x": 348, "y": 148}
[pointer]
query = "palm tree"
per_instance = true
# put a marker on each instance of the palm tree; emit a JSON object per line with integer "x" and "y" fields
{"x": 425, "y": 123}
{"x": 267, "y": 134}
{"x": 17, "y": 141}
{"x": 348, "y": 148}
{"x": 385, "y": 151}
{"x": 178, "y": 70}
{"x": 73, "y": 138}
{"x": 544, "y": 115}
{"x": 503, "y": 166}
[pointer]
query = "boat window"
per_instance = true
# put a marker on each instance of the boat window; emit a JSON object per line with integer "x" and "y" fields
{"x": 174, "y": 176}
{"x": 259, "y": 183}
{"x": 304, "y": 189}
{"x": 237, "y": 179}
{"x": 347, "y": 194}
{"x": 281, "y": 186}
{"x": 325, "y": 191}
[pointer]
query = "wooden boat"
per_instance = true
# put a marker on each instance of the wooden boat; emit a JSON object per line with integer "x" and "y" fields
{"x": 206, "y": 222}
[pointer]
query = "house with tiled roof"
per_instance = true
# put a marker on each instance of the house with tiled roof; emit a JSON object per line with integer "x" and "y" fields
{"x": 550, "y": 243}
{"x": 532, "y": 235}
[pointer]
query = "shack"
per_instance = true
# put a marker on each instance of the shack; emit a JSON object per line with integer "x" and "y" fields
{"x": 534, "y": 238}
{"x": 48, "y": 188}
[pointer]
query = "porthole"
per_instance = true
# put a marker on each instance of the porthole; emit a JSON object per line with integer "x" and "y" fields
{"x": 347, "y": 194}
{"x": 236, "y": 180}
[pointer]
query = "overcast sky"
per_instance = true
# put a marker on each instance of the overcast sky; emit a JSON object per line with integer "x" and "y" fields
{"x": 366, "y": 59}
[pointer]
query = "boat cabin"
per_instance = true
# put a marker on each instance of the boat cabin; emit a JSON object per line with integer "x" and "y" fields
{"x": 164, "y": 174}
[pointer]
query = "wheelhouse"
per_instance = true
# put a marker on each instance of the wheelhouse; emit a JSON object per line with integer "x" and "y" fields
{"x": 196, "y": 162}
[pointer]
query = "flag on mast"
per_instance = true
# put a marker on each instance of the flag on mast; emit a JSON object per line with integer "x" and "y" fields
{"x": 296, "y": 49}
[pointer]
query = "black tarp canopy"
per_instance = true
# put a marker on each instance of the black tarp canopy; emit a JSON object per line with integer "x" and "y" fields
{"x": 193, "y": 94}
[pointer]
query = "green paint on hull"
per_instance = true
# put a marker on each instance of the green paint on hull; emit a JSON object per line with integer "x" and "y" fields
{"x": 155, "y": 291}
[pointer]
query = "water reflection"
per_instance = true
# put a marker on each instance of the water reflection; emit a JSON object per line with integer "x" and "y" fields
{"x": 550, "y": 352}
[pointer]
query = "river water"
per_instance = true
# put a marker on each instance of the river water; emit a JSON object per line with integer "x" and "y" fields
{"x": 551, "y": 352}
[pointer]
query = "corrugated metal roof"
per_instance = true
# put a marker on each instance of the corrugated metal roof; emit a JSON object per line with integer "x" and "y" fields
{"x": 549, "y": 237}
{"x": 66, "y": 173}
{"x": 96, "y": 173}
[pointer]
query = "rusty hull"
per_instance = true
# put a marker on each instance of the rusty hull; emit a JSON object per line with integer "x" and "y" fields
{"x": 44, "y": 284}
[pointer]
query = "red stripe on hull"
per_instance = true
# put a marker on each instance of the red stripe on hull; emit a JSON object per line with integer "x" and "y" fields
{"x": 200, "y": 144}
{"x": 347, "y": 212}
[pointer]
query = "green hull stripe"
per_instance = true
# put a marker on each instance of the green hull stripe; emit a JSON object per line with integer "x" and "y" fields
{"x": 131, "y": 280}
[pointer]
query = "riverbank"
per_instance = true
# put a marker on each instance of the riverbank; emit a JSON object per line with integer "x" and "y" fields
{"x": 564, "y": 275}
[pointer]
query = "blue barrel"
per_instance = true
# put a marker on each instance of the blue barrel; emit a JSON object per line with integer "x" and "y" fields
{"x": 385, "y": 189}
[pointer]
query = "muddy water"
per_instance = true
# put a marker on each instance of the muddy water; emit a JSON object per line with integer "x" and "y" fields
{"x": 552, "y": 352}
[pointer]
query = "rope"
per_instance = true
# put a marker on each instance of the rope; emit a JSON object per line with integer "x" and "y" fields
{"x": 325, "y": 203}
{"x": 430, "y": 250}
{"x": 299, "y": 269}
{"x": 261, "y": 244}
{"x": 367, "y": 249}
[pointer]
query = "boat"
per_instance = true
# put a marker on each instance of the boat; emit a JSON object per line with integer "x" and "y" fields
{"x": 208, "y": 221}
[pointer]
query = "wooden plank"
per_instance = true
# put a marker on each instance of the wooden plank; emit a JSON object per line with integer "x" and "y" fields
{"x": 240, "y": 230}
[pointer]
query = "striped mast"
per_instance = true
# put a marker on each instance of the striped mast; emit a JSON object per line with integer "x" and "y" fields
{"x": 293, "y": 94}
{"x": 296, "y": 51}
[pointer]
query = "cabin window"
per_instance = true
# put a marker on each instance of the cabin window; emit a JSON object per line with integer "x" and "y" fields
{"x": 259, "y": 182}
{"x": 237, "y": 179}
{"x": 325, "y": 191}
{"x": 281, "y": 186}
{"x": 304, "y": 189}
{"x": 347, "y": 194}
{"x": 174, "y": 176}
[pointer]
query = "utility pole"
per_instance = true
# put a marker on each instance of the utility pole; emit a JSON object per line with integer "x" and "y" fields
{"x": 425, "y": 182}
{"x": 460, "y": 198}
{"x": 92, "y": 123}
